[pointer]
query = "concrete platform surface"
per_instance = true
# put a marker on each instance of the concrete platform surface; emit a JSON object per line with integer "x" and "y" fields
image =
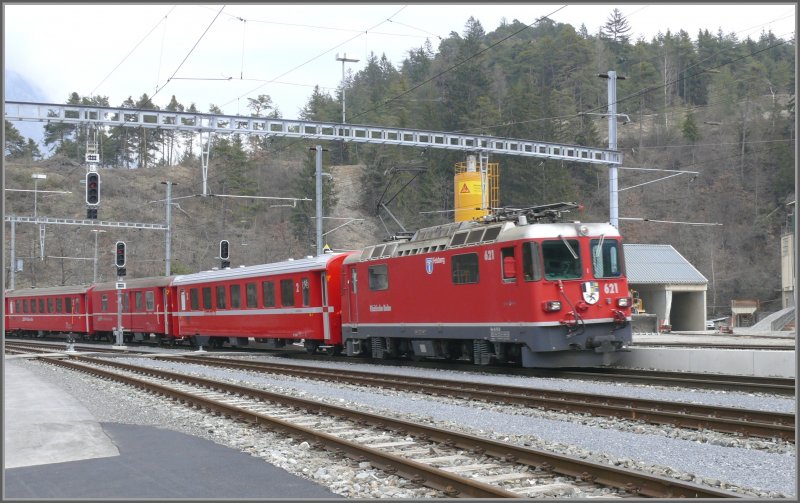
{"x": 43, "y": 424}
{"x": 689, "y": 357}
{"x": 55, "y": 449}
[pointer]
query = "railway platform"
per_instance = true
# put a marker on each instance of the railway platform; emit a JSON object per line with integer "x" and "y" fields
{"x": 55, "y": 449}
{"x": 768, "y": 354}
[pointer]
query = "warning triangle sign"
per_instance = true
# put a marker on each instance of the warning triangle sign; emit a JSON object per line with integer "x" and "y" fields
{"x": 465, "y": 189}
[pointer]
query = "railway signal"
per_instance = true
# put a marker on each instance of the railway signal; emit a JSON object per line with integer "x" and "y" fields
{"x": 119, "y": 259}
{"x": 224, "y": 253}
{"x": 92, "y": 188}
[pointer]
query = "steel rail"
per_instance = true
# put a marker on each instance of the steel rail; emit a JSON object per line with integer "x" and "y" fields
{"x": 632, "y": 481}
{"x": 450, "y": 484}
{"x": 697, "y": 416}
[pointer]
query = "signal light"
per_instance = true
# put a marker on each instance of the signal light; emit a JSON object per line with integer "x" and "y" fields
{"x": 91, "y": 213}
{"x": 120, "y": 257}
{"x": 92, "y": 188}
{"x": 223, "y": 250}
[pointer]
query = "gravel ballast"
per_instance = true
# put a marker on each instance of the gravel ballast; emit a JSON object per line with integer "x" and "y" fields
{"x": 762, "y": 468}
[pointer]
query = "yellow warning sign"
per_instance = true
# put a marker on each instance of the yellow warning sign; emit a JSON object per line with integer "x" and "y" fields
{"x": 465, "y": 189}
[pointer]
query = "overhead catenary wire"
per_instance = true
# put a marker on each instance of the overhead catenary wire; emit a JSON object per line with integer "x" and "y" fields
{"x": 162, "y": 20}
{"x": 189, "y": 53}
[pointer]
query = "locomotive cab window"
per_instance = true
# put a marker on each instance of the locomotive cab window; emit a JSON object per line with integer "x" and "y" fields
{"x": 606, "y": 261}
{"x": 287, "y": 292}
{"x": 378, "y": 277}
{"x": 531, "y": 263}
{"x": 561, "y": 259}
{"x": 465, "y": 268}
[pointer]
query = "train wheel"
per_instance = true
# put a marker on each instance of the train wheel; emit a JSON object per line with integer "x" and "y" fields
{"x": 311, "y": 346}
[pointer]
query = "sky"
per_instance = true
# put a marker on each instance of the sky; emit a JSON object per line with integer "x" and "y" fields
{"x": 222, "y": 55}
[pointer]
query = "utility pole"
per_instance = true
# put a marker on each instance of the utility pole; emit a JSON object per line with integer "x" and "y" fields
{"x": 613, "y": 177}
{"x": 13, "y": 257}
{"x": 344, "y": 59}
{"x": 319, "y": 198}
{"x": 94, "y": 274}
{"x": 168, "y": 244}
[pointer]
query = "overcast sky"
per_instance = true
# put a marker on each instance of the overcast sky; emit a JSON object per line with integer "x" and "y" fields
{"x": 207, "y": 53}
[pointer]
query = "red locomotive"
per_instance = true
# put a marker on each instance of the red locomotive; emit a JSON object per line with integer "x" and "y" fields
{"x": 543, "y": 295}
{"x": 509, "y": 288}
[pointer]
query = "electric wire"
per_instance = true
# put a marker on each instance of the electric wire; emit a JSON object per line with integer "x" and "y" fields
{"x": 188, "y": 54}
{"x": 162, "y": 20}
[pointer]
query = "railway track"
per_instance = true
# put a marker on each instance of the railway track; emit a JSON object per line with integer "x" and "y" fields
{"x": 730, "y": 420}
{"x": 457, "y": 464}
{"x": 696, "y": 416}
{"x": 726, "y": 382}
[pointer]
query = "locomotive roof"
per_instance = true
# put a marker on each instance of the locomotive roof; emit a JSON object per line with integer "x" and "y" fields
{"x": 48, "y": 290}
{"x": 317, "y": 263}
{"x": 136, "y": 283}
{"x": 471, "y": 233}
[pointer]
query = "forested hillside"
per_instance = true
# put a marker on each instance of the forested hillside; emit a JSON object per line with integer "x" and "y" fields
{"x": 706, "y": 102}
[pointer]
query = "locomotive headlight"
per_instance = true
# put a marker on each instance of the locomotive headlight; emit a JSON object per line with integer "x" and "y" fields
{"x": 624, "y": 302}
{"x": 551, "y": 306}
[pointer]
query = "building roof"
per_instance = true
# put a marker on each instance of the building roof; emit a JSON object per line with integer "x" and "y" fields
{"x": 659, "y": 264}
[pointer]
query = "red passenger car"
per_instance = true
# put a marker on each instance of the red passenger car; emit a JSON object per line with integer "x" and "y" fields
{"x": 542, "y": 295}
{"x": 41, "y": 311}
{"x": 146, "y": 308}
{"x": 284, "y": 302}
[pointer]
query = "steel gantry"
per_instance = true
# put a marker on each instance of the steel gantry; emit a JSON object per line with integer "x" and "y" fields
{"x": 208, "y": 124}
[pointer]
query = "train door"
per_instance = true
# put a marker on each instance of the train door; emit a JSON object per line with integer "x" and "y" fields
{"x": 127, "y": 311}
{"x": 165, "y": 309}
{"x": 353, "y": 297}
{"x": 326, "y": 315}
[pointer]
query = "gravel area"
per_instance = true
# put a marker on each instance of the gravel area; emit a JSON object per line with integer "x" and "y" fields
{"x": 757, "y": 468}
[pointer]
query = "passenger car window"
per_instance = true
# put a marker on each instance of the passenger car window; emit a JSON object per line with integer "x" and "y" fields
{"x": 269, "y": 293}
{"x": 236, "y": 296}
{"x": 287, "y": 292}
{"x": 252, "y": 295}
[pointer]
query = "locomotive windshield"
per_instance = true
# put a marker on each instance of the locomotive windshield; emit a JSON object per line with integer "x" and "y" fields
{"x": 606, "y": 262}
{"x": 562, "y": 259}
